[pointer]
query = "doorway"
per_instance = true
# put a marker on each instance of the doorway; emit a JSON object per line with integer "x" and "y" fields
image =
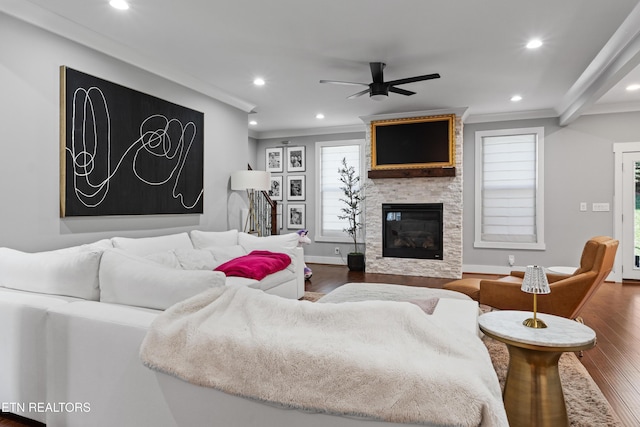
{"x": 627, "y": 210}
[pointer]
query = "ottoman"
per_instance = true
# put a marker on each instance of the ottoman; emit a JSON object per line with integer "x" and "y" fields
{"x": 453, "y": 308}
{"x": 469, "y": 287}
{"x": 481, "y": 290}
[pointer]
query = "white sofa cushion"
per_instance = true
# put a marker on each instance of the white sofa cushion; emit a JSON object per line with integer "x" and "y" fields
{"x": 99, "y": 245}
{"x": 284, "y": 243}
{"x": 151, "y": 245}
{"x": 207, "y": 239}
{"x": 131, "y": 280}
{"x": 64, "y": 272}
{"x": 226, "y": 253}
{"x": 196, "y": 259}
{"x": 166, "y": 258}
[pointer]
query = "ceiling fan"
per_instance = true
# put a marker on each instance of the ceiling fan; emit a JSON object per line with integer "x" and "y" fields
{"x": 379, "y": 89}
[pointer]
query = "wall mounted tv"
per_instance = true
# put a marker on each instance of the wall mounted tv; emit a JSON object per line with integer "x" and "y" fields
{"x": 418, "y": 142}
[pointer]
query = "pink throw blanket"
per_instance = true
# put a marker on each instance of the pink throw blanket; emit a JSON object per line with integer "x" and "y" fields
{"x": 256, "y": 265}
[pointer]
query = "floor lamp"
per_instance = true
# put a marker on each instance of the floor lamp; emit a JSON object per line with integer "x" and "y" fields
{"x": 251, "y": 181}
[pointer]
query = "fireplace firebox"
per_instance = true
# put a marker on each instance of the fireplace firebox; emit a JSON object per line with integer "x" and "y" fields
{"x": 412, "y": 230}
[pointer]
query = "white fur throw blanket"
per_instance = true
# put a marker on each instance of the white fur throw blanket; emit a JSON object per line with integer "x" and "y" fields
{"x": 377, "y": 359}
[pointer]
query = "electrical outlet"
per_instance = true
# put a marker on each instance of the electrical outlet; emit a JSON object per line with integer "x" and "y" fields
{"x": 511, "y": 259}
{"x": 336, "y": 250}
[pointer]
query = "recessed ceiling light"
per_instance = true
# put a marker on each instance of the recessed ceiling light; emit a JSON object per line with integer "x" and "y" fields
{"x": 319, "y": 116}
{"x": 633, "y": 87}
{"x": 516, "y": 98}
{"x": 534, "y": 44}
{"x": 253, "y": 123}
{"x": 119, "y": 4}
{"x": 259, "y": 82}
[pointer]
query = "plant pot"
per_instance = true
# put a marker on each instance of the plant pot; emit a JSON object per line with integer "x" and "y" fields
{"x": 355, "y": 261}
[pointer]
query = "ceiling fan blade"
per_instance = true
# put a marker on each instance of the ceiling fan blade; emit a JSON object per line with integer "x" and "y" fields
{"x": 355, "y": 95}
{"x": 336, "y": 82}
{"x": 376, "y": 71}
{"x": 401, "y": 91}
{"x": 414, "y": 79}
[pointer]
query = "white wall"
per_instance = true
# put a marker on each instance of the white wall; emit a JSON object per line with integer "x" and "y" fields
{"x": 29, "y": 139}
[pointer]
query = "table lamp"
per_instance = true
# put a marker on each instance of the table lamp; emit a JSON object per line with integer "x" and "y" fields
{"x": 535, "y": 282}
{"x": 251, "y": 180}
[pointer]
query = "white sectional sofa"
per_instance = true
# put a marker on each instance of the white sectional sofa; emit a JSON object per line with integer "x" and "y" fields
{"x": 73, "y": 318}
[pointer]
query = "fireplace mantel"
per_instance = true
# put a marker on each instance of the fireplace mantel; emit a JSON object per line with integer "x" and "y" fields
{"x": 412, "y": 173}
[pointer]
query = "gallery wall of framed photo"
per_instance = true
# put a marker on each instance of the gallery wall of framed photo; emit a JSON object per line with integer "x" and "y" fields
{"x": 288, "y": 167}
{"x": 294, "y": 184}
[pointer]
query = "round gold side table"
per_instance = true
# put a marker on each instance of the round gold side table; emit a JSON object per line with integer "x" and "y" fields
{"x": 533, "y": 392}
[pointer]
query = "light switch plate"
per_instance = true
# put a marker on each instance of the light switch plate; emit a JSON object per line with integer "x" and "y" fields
{"x": 600, "y": 207}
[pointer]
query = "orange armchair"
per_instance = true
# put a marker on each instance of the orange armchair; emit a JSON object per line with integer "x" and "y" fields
{"x": 568, "y": 294}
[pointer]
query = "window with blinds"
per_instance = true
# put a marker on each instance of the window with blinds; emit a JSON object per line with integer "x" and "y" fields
{"x": 509, "y": 189}
{"x": 329, "y": 157}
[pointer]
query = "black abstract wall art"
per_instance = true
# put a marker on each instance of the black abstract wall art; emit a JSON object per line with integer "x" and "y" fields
{"x": 124, "y": 152}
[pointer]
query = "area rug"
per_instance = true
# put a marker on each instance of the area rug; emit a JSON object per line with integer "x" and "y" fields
{"x": 586, "y": 405}
{"x": 312, "y": 296}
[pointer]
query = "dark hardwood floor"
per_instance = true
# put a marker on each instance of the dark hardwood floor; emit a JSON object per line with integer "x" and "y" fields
{"x": 614, "y": 313}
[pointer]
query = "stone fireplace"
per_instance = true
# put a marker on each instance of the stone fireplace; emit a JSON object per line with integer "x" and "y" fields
{"x": 441, "y": 191}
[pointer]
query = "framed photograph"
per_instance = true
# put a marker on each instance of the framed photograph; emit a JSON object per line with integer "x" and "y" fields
{"x": 295, "y": 187}
{"x": 273, "y": 159}
{"x": 275, "y": 192}
{"x": 279, "y": 215}
{"x": 295, "y": 216}
{"x": 296, "y": 159}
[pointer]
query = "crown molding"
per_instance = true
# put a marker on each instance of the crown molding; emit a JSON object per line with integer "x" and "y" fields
{"x": 291, "y": 133}
{"x": 460, "y": 112}
{"x": 56, "y": 24}
{"x": 618, "y": 107}
{"x": 514, "y": 115}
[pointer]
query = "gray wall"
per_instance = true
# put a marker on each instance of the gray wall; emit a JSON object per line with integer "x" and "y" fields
{"x": 29, "y": 161}
{"x": 317, "y": 251}
{"x": 578, "y": 168}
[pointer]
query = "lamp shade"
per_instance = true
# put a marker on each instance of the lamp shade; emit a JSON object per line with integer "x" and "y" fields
{"x": 535, "y": 280}
{"x": 251, "y": 180}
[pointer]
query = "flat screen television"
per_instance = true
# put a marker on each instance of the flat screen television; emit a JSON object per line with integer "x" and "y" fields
{"x": 418, "y": 142}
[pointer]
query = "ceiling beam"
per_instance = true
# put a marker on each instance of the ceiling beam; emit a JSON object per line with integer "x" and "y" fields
{"x": 616, "y": 59}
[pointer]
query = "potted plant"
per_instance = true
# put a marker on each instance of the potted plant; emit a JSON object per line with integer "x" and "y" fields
{"x": 353, "y": 198}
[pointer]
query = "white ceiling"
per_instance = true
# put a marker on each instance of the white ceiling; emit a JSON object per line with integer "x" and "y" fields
{"x": 590, "y": 52}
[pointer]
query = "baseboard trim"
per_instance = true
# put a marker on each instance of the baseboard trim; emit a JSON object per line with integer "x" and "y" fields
{"x": 332, "y": 260}
{"x": 489, "y": 269}
{"x": 466, "y": 268}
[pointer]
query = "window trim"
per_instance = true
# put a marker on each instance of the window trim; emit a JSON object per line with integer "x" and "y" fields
{"x": 318, "y": 236}
{"x": 540, "y": 243}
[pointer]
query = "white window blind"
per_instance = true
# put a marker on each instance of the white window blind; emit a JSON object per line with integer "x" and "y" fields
{"x": 508, "y": 189}
{"x": 329, "y": 158}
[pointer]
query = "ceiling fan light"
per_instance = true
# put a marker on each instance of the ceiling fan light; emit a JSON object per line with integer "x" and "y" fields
{"x": 379, "y": 97}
